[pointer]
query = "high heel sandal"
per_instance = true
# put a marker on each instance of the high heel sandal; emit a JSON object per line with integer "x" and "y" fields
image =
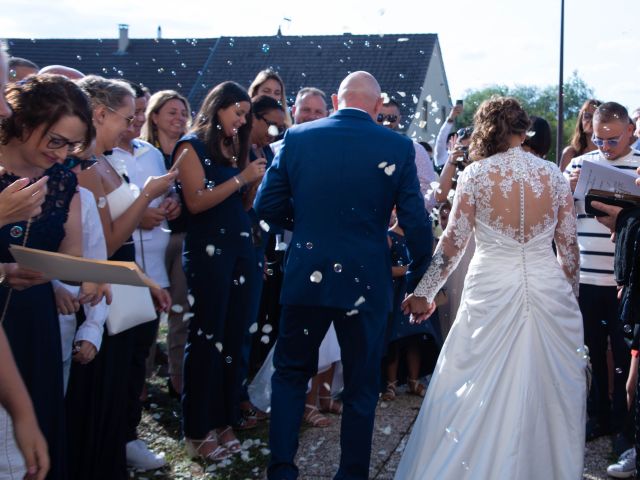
{"x": 416, "y": 388}
{"x": 334, "y": 407}
{"x": 194, "y": 448}
{"x": 233, "y": 446}
{"x": 390, "y": 392}
{"x": 314, "y": 418}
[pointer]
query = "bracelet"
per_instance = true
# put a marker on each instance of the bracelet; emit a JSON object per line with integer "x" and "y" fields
{"x": 239, "y": 182}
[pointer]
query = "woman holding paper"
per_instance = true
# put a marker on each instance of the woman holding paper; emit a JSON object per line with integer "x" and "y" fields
{"x": 101, "y": 393}
{"x": 51, "y": 117}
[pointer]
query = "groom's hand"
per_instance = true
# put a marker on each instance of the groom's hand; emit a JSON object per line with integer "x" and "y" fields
{"x": 418, "y": 308}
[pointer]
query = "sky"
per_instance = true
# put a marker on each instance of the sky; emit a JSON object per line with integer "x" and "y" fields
{"x": 507, "y": 42}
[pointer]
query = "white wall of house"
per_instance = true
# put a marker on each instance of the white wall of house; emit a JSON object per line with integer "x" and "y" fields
{"x": 434, "y": 101}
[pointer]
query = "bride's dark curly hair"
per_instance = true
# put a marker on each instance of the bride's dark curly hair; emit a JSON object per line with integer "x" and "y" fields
{"x": 493, "y": 123}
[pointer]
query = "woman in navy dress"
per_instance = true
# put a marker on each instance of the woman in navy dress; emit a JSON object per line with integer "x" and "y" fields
{"x": 51, "y": 116}
{"x": 418, "y": 343}
{"x": 219, "y": 261}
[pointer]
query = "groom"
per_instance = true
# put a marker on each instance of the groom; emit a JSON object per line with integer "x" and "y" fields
{"x": 334, "y": 183}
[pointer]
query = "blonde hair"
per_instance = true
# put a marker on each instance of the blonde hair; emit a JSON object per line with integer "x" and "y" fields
{"x": 149, "y": 130}
{"x": 107, "y": 92}
{"x": 493, "y": 123}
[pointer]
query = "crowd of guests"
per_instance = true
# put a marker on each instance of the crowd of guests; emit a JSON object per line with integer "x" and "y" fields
{"x": 105, "y": 169}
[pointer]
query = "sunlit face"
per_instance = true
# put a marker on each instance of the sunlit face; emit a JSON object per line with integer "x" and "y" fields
{"x": 266, "y": 127}
{"x": 270, "y": 88}
{"x": 637, "y": 132}
{"x": 619, "y": 132}
{"x": 308, "y": 108}
{"x": 587, "y": 119}
{"x": 172, "y": 118}
{"x": 42, "y": 148}
{"x": 391, "y": 116}
{"x": 115, "y": 123}
{"x": 5, "y": 111}
{"x": 233, "y": 117}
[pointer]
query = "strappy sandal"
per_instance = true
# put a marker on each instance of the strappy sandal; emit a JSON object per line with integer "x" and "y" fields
{"x": 390, "y": 392}
{"x": 314, "y": 418}
{"x": 194, "y": 449}
{"x": 233, "y": 446}
{"x": 416, "y": 388}
{"x": 334, "y": 407}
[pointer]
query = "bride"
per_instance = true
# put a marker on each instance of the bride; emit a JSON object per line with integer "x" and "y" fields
{"x": 507, "y": 398}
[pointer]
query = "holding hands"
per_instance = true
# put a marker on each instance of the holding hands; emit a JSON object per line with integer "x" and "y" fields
{"x": 418, "y": 308}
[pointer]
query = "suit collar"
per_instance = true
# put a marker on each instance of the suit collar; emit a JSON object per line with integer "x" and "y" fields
{"x": 353, "y": 113}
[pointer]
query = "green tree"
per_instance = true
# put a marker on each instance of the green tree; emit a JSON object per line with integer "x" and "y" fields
{"x": 538, "y": 101}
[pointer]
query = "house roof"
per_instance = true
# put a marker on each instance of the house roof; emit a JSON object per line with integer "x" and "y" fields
{"x": 194, "y": 66}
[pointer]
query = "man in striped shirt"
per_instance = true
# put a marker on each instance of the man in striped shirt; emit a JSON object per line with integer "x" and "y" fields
{"x": 612, "y": 134}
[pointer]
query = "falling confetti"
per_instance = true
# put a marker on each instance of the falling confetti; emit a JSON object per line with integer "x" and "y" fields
{"x": 253, "y": 328}
{"x": 390, "y": 169}
{"x": 316, "y": 277}
{"x": 210, "y": 249}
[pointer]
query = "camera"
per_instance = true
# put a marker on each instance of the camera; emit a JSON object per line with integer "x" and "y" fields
{"x": 462, "y": 162}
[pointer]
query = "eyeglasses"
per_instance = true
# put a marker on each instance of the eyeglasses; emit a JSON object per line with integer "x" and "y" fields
{"x": 387, "y": 118}
{"x": 272, "y": 127}
{"x": 610, "y": 142}
{"x": 72, "y": 161}
{"x": 129, "y": 119}
{"x": 587, "y": 116}
{"x": 56, "y": 142}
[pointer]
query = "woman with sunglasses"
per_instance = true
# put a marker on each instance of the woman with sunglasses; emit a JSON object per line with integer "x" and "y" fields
{"x": 99, "y": 393}
{"x": 51, "y": 117}
{"x": 581, "y": 140}
{"x": 268, "y": 124}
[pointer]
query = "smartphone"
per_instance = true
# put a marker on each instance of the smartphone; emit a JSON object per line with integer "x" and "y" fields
{"x": 618, "y": 202}
{"x": 459, "y": 102}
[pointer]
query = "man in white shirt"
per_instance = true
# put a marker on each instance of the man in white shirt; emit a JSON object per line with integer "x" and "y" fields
{"x": 443, "y": 144}
{"x": 390, "y": 117}
{"x": 612, "y": 133}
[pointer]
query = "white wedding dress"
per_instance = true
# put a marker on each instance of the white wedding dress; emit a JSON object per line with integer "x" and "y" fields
{"x": 507, "y": 397}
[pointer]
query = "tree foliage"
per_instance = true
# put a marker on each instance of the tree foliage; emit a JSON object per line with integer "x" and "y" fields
{"x": 538, "y": 101}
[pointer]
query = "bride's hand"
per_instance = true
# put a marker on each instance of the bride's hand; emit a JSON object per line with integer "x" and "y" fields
{"x": 418, "y": 308}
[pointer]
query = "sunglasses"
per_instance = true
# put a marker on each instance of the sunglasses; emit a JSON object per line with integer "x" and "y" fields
{"x": 56, "y": 142}
{"x": 387, "y": 118}
{"x": 610, "y": 142}
{"x": 271, "y": 126}
{"x": 129, "y": 119}
{"x": 71, "y": 162}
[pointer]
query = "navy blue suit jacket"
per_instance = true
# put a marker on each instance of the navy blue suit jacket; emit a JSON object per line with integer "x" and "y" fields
{"x": 334, "y": 183}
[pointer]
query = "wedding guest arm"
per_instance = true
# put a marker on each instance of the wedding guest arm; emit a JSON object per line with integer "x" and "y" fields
{"x": 15, "y": 399}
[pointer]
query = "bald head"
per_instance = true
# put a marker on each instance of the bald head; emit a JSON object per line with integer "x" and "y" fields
{"x": 360, "y": 90}
{"x": 70, "y": 73}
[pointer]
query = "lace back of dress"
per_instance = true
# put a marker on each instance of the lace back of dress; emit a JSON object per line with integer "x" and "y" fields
{"x": 516, "y": 195}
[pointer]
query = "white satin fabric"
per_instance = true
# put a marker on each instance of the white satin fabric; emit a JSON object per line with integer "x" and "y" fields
{"x": 507, "y": 398}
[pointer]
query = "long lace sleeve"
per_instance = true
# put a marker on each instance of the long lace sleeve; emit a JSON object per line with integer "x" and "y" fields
{"x": 454, "y": 240}
{"x": 566, "y": 236}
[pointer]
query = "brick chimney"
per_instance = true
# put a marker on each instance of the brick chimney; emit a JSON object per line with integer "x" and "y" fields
{"x": 123, "y": 39}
